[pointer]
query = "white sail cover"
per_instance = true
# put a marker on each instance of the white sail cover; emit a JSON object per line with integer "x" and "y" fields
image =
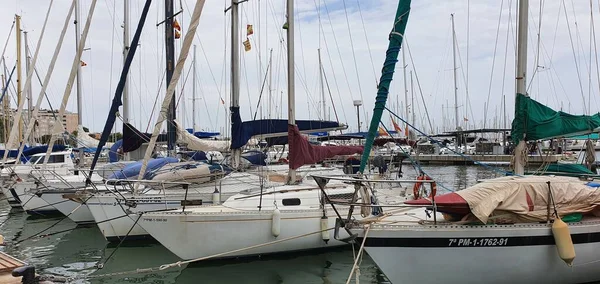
{"x": 84, "y": 139}
{"x": 197, "y": 144}
{"x": 527, "y": 197}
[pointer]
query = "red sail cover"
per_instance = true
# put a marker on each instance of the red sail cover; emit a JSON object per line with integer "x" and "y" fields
{"x": 303, "y": 153}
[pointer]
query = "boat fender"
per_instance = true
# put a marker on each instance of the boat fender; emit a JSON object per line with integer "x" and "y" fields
{"x": 324, "y": 231}
{"x": 276, "y": 223}
{"x": 216, "y": 197}
{"x": 564, "y": 243}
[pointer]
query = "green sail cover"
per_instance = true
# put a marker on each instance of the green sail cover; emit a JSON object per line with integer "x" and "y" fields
{"x": 568, "y": 169}
{"x": 535, "y": 121}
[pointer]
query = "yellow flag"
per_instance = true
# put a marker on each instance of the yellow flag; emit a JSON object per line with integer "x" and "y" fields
{"x": 247, "y": 45}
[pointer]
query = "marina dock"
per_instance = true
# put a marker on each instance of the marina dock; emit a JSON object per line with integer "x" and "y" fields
{"x": 485, "y": 159}
{"x": 7, "y": 265}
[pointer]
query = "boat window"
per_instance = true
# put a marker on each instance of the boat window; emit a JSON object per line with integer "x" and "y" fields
{"x": 55, "y": 159}
{"x": 36, "y": 159}
{"x": 291, "y": 201}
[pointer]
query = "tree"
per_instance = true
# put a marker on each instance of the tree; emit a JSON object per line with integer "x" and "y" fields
{"x": 115, "y": 137}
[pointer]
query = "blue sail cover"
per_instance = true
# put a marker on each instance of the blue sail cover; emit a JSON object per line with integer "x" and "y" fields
{"x": 243, "y": 131}
{"x": 113, "y": 155}
{"x": 133, "y": 169}
{"x": 202, "y": 134}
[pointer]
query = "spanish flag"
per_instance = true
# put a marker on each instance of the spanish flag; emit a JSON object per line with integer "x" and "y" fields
{"x": 249, "y": 30}
{"x": 382, "y": 131}
{"x": 247, "y": 45}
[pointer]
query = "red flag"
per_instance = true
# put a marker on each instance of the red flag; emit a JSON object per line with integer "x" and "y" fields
{"x": 396, "y": 127}
{"x": 249, "y": 30}
{"x": 83, "y": 63}
{"x": 176, "y": 25}
{"x": 177, "y": 34}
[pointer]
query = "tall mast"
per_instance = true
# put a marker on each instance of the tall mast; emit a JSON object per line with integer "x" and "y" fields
{"x": 27, "y": 69}
{"x": 412, "y": 99}
{"x": 270, "y": 81}
{"x": 78, "y": 90}
{"x": 125, "y": 51}
{"x": 194, "y": 126}
{"x": 455, "y": 85}
{"x": 521, "y": 76}
{"x": 291, "y": 82}
{"x": 19, "y": 79}
{"x": 126, "y": 47}
{"x": 170, "y": 54}
{"x": 405, "y": 88}
{"x": 235, "y": 71}
{"x": 324, "y": 106}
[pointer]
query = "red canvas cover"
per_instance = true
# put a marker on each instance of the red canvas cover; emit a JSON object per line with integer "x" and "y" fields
{"x": 303, "y": 153}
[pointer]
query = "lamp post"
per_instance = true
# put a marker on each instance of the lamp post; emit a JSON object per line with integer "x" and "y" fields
{"x": 357, "y": 104}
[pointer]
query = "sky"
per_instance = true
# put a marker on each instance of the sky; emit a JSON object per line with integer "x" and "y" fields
{"x": 352, "y": 36}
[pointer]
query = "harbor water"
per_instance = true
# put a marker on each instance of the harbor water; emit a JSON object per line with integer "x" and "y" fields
{"x": 70, "y": 251}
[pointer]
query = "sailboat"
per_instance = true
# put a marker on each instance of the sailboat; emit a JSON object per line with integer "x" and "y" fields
{"x": 503, "y": 230}
{"x": 262, "y": 214}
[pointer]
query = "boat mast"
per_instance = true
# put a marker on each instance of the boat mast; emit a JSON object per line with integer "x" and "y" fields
{"x": 412, "y": 99}
{"x": 77, "y": 39}
{"x": 126, "y": 157}
{"x": 405, "y": 89}
{"x": 235, "y": 73}
{"x": 521, "y": 77}
{"x": 19, "y": 79}
{"x": 270, "y": 81}
{"x": 28, "y": 87}
{"x": 290, "y": 67}
{"x": 456, "y": 143}
{"x": 170, "y": 54}
{"x": 194, "y": 126}
{"x": 324, "y": 106}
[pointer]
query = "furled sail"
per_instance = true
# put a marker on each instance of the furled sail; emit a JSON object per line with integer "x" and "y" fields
{"x": 84, "y": 139}
{"x": 117, "y": 102}
{"x": 303, "y": 153}
{"x": 197, "y": 144}
{"x": 535, "y": 121}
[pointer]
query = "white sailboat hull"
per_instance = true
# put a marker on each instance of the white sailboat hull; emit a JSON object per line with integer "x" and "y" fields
{"x": 77, "y": 212}
{"x": 117, "y": 220}
{"x": 523, "y": 253}
{"x": 192, "y": 235}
